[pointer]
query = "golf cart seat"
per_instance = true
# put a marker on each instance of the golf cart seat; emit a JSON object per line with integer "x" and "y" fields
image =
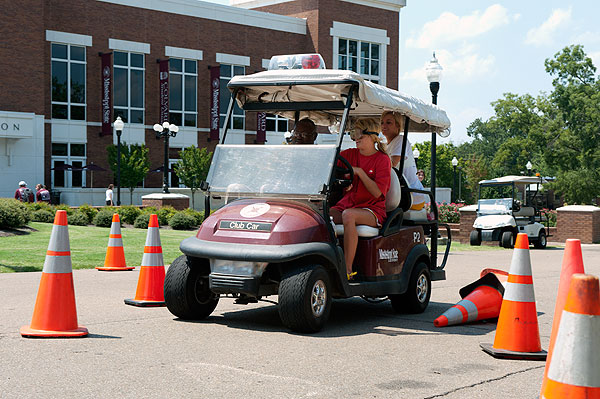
{"x": 394, "y": 213}
{"x": 406, "y": 203}
{"x": 525, "y": 211}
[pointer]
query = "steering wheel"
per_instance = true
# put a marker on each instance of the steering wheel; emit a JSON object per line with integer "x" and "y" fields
{"x": 343, "y": 171}
{"x": 516, "y": 206}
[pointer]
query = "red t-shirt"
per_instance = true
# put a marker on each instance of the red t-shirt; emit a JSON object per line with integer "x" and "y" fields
{"x": 378, "y": 167}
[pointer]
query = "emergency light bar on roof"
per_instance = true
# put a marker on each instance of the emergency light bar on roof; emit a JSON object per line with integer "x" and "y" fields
{"x": 297, "y": 61}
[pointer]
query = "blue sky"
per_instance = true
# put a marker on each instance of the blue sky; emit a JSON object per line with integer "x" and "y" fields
{"x": 489, "y": 48}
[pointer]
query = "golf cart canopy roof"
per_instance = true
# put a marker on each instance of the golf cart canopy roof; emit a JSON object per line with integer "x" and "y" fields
{"x": 320, "y": 94}
{"x": 515, "y": 180}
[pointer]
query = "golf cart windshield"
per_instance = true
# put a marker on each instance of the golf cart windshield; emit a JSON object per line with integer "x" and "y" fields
{"x": 280, "y": 171}
{"x": 500, "y": 206}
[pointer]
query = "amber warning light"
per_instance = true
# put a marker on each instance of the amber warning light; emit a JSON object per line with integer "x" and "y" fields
{"x": 297, "y": 61}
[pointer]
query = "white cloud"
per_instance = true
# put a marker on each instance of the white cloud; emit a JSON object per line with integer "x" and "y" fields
{"x": 463, "y": 65}
{"x": 449, "y": 27}
{"x": 543, "y": 35}
{"x": 595, "y": 59}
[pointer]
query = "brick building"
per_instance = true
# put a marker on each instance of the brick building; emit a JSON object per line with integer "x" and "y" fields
{"x": 51, "y": 108}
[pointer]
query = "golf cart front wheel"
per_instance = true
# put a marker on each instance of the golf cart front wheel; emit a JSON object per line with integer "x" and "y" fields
{"x": 475, "y": 237}
{"x": 507, "y": 239}
{"x": 541, "y": 242}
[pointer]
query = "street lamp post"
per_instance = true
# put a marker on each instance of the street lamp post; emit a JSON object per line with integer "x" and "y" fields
{"x": 166, "y": 130}
{"x": 119, "y": 129}
{"x": 454, "y": 165}
{"x": 434, "y": 74}
{"x": 416, "y": 155}
{"x": 529, "y": 166}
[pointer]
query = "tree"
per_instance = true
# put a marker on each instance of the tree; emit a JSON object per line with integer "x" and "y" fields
{"x": 192, "y": 167}
{"x": 135, "y": 165}
{"x": 444, "y": 170}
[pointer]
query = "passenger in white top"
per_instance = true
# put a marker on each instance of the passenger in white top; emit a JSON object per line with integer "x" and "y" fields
{"x": 390, "y": 127}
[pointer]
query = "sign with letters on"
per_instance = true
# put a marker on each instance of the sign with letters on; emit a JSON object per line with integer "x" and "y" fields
{"x": 244, "y": 225}
{"x": 16, "y": 125}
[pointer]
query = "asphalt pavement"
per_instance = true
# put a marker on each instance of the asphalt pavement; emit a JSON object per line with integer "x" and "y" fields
{"x": 243, "y": 351}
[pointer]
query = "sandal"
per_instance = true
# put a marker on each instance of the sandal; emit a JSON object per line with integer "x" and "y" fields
{"x": 351, "y": 275}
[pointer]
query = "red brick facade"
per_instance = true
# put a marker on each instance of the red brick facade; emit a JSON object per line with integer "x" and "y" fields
{"x": 26, "y": 68}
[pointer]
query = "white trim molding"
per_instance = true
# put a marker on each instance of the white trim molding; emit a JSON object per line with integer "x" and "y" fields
{"x": 219, "y": 12}
{"x": 179, "y": 52}
{"x": 358, "y": 32}
{"x": 126, "y": 45}
{"x": 391, "y": 5}
{"x": 68, "y": 38}
{"x": 232, "y": 59}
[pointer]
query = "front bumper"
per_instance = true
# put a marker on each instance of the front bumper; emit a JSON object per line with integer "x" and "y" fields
{"x": 231, "y": 284}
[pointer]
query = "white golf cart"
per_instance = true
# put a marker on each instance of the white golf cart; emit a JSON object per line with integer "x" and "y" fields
{"x": 505, "y": 207}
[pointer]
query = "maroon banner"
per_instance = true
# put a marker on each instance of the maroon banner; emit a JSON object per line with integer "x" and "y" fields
{"x": 163, "y": 89}
{"x": 261, "y": 127}
{"x": 106, "y": 103}
{"x": 215, "y": 84}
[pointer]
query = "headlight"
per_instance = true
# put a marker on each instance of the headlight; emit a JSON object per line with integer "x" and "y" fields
{"x": 237, "y": 267}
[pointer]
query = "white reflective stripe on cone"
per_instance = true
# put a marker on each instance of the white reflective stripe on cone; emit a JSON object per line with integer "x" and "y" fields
{"x": 115, "y": 228}
{"x": 576, "y": 356}
{"x": 153, "y": 237}
{"x": 115, "y": 242}
{"x": 453, "y": 315}
{"x": 153, "y": 259}
{"x": 518, "y": 292}
{"x": 471, "y": 309}
{"x": 59, "y": 239}
{"x": 521, "y": 264}
{"x": 57, "y": 264}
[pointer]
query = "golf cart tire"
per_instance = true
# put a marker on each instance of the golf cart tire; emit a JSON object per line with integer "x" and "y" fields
{"x": 416, "y": 298}
{"x": 187, "y": 293}
{"x": 305, "y": 299}
{"x": 507, "y": 239}
{"x": 475, "y": 238}
{"x": 541, "y": 242}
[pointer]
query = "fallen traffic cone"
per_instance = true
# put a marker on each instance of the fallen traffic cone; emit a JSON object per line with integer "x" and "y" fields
{"x": 150, "y": 290}
{"x": 481, "y": 300}
{"x": 574, "y": 369}
{"x": 55, "y": 313}
{"x": 517, "y": 334}
{"x": 115, "y": 256}
{"x": 572, "y": 263}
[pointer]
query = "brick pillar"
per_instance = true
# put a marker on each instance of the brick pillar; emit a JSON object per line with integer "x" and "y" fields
{"x": 468, "y": 214}
{"x": 578, "y": 221}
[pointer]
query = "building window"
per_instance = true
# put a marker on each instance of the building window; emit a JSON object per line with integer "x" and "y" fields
{"x": 238, "y": 119}
{"x": 72, "y": 154}
{"x": 361, "y": 57}
{"x": 183, "y": 81}
{"x": 68, "y": 81}
{"x": 128, "y": 86}
{"x": 276, "y": 123}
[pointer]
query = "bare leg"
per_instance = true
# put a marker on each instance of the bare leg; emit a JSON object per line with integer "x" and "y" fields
{"x": 352, "y": 217}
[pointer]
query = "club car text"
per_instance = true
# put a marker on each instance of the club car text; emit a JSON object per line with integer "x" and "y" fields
{"x": 243, "y": 225}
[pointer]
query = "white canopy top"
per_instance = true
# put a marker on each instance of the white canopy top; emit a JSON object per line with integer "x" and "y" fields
{"x": 515, "y": 179}
{"x": 302, "y": 85}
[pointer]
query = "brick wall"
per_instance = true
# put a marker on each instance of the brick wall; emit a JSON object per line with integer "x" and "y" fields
{"x": 577, "y": 221}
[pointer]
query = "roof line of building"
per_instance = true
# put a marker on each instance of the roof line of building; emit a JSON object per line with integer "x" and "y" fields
{"x": 219, "y": 12}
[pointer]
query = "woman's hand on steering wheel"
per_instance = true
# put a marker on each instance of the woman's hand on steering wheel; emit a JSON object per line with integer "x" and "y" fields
{"x": 347, "y": 169}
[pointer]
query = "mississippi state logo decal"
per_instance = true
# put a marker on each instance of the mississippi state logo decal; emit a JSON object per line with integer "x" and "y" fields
{"x": 255, "y": 210}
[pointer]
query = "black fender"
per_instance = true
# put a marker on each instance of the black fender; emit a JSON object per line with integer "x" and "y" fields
{"x": 418, "y": 253}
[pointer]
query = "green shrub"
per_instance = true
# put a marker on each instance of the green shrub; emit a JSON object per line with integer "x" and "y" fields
{"x": 129, "y": 213}
{"x": 550, "y": 215}
{"x": 141, "y": 222}
{"x": 64, "y": 207}
{"x": 89, "y": 212}
{"x": 104, "y": 217}
{"x": 78, "y": 219}
{"x": 182, "y": 221}
{"x": 164, "y": 214}
{"x": 149, "y": 210}
{"x": 198, "y": 216}
{"x": 13, "y": 213}
{"x": 42, "y": 215}
{"x": 36, "y": 206}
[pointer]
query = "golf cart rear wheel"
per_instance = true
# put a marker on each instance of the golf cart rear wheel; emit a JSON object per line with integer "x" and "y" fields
{"x": 541, "y": 242}
{"x": 507, "y": 239}
{"x": 416, "y": 298}
{"x": 305, "y": 299}
{"x": 475, "y": 237}
{"x": 187, "y": 292}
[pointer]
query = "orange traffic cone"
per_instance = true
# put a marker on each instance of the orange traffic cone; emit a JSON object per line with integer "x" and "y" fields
{"x": 572, "y": 263}
{"x": 574, "y": 369}
{"x": 517, "y": 334}
{"x": 55, "y": 313}
{"x": 115, "y": 256}
{"x": 150, "y": 290}
{"x": 481, "y": 300}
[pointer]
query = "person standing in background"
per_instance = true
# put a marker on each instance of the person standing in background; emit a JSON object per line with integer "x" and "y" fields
{"x": 109, "y": 195}
{"x": 42, "y": 194}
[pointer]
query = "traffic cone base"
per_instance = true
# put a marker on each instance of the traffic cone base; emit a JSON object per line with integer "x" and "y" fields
{"x": 144, "y": 304}
{"x": 506, "y": 354}
{"x": 115, "y": 256}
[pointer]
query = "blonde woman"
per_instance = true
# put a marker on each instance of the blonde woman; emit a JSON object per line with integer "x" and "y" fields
{"x": 364, "y": 200}
{"x": 390, "y": 127}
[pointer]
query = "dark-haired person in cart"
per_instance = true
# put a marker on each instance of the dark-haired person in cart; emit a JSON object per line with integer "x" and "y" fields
{"x": 364, "y": 200}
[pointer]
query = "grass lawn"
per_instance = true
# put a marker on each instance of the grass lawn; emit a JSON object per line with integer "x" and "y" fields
{"x": 27, "y": 252}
